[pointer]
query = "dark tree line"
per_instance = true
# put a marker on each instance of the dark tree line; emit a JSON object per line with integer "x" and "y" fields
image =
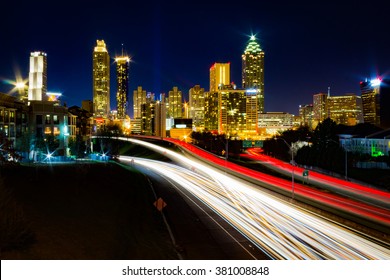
{"x": 109, "y": 145}
{"x": 324, "y": 149}
{"x": 217, "y": 143}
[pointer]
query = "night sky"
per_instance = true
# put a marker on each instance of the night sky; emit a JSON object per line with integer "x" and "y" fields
{"x": 308, "y": 47}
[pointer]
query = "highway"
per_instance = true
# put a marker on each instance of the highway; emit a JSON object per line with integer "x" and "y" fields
{"x": 281, "y": 229}
{"x": 372, "y": 214}
{"x": 198, "y": 232}
{"x": 336, "y": 185}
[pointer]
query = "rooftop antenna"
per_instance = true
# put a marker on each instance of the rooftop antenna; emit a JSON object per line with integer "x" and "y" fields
{"x": 122, "y": 49}
{"x": 328, "y": 91}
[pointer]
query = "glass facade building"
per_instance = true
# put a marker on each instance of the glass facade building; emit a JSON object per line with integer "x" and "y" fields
{"x": 375, "y": 101}
{"x": 219, "y": 76}
{"x": 122, "y": 78}
{"x": 101, "y": 80}
{"x": 253, "y": 70}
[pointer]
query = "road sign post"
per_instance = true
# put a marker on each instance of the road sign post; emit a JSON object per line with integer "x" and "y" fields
{"x": 305, "y": 173}
{"x": 160, "y": 204}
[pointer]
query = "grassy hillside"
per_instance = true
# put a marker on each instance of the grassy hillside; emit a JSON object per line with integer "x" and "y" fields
{"x": 79, "y": 211}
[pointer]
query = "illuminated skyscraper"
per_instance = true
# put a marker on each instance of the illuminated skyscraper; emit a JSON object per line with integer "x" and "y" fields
{"x": 139, "y": 98}
{"x": 38, "y": 77}
{"x": 251, "y": 113}
{"x": 175, "y": 103}
{"x": 376, "y": 100}
{"x": 101, "y": 80}
{"x": 197, "y": 110}
{"x": 346, "y": 109}
{"x": 148, "y": 115}
{"x": 231, "y": 111}
{"x": 253, "y": 70}
{"x": 306, "y": 115}
{"x": 320, "y": 109}
{"x": 219, "y": 76}
{"x": 122, "y": 78}
{"x": 211, "y": 111}
{"x": 159, "y": 118}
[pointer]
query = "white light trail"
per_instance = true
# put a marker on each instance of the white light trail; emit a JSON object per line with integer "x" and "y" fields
{"x": 283, "y": 231}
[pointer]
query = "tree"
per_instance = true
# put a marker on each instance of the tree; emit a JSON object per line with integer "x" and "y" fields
{"x": 325, "y": 134}
{"x": 109, "y": 145}
{"x": 77, "y": 147}
{"x": 325, "y": 151}
{"x": 8, "y": 153}
{"x": 23, "y": 143}
{"x": 277, "y": 148}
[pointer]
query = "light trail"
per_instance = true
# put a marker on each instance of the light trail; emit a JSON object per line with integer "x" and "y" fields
{"x": 357, "y": 209}
{"x": 283, "y": 231}
{"x": 354, "y": 190}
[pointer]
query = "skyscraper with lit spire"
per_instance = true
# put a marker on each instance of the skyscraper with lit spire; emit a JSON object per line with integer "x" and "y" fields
{"x": 122, "y": 78}
{"x": 101, "y": 80}
{"x": 253, "y": 71}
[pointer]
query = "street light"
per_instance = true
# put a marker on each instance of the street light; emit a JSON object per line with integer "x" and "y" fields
{"x": 66, "y": 134}
{"x": 226, "y": 151}
{"x": 346, "y": 137}
{"x": 291, "y": 147}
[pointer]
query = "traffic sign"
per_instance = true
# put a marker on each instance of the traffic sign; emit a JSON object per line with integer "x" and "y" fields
{"x": 159, "y": 204}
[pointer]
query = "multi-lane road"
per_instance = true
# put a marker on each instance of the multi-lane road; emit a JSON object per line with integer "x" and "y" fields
{"x": 281, "y": 229}
{"x": 337, "y": 185}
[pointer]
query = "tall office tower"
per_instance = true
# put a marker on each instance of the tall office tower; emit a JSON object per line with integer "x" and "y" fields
{"x": 320, "y": 110}
{"x": 385, "y": 103}
{"x": 306, "y": 115}
{"x": 175, "y": 103}
{"x": 38, "y": 76}
{"x": 253, "y": 70}
{"x": 101, "y": 80}
{"x": 231, "y": 111}
{"x": 139, "y": 98}
{"x": 196, "y": 107}
{"x": 148, "y": 115}
{"x": 252, "y": 114}
{"x": 375, "y": 102}
{"x": 211, "y": 111}
{"x": 345, "y": 109}
{"x": 219, "y": 76}
{"x": 160, "y": 119}
{"x": 122, "y": 79}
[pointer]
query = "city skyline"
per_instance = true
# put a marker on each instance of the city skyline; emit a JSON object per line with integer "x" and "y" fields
{"x": 308, "y": 47}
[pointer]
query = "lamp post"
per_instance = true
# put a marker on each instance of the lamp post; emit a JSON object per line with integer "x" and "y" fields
{"x": 21, "y": 87}
{"x": 346, "y": 161}
{"x": 346, "y": 137}
{"x": 66, "y": 133}
{"x": 226, "y": 149}
{"x": 292, "y": 164}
